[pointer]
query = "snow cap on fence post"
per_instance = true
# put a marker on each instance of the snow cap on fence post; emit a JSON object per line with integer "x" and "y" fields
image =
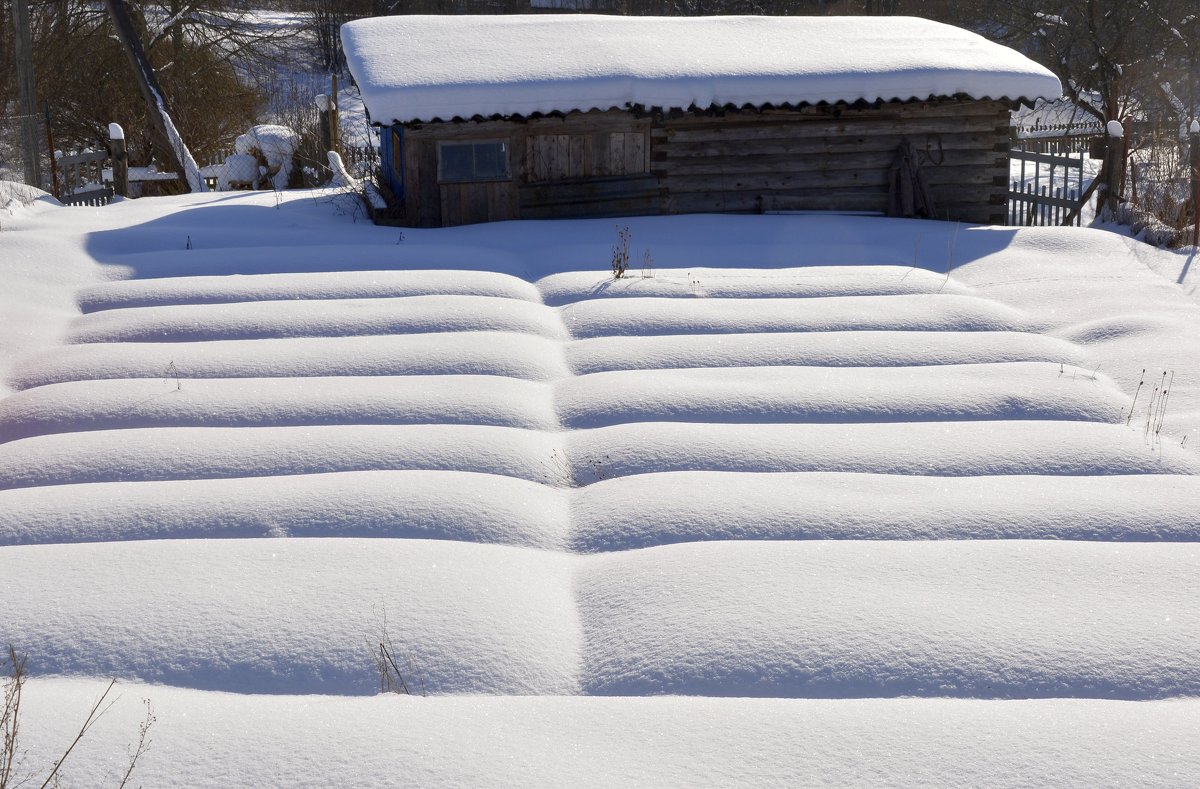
{"x": 1116, "y": 129}
{"x": 1195, "y": 127}
{"x": 322, "y": 102}
{"x": 115, "y": 132}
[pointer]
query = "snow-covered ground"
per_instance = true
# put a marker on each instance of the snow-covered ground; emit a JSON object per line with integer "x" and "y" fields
{"x": 824, "y": 500}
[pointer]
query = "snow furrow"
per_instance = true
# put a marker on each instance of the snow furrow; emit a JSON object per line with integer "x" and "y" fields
{"x": 809, "y": 282}
{"x": 123, "y": 294}
{"x": 297, "y": 616}
{"x": 443, "y": 505}
{"x": 455, "y": 353}
{"x": 924, "y": 448}
{"x": 657, "y": 316}
{"x": 330, "y": 318}
{"x": 839, "y": 394}
{"x": 690, "y": 506}
{"x": 178, "y": 453}
{"x": 273, "y": 402}
{"x": 829, "y": 349}
{"x": 985, "y": 619}
{"x": 210, "y": 740}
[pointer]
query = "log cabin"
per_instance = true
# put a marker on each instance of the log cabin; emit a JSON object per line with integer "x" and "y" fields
{"x": 491, "y": 118}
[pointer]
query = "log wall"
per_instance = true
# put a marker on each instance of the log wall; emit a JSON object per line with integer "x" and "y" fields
{"x": 817, "y": 158}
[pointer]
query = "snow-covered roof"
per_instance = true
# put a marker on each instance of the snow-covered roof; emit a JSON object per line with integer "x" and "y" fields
{"x": 411, "y": 68}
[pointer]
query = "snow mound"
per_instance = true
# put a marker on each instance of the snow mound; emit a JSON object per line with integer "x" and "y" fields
{"x": 691, "y": 506}
{"x": 808, "y": 282}
{"x": 924, "y": 312}
{"x": 458, "y": 353}
{"x": 325, "y": 285}
{"x": 936, "y": 448}
{"x": 298, "y": 616}
{"x": 446, "y": 505}
{"x": 326, "y": 318}
{"x": 267, "y": 402}
{"x": 990, "y": 619}
{"x": 867, "y": 349}
{"x": 166, "y": 453}
{"x": 215, "y": 740}
{"x": 944, "y": 393}
{"x": 14, "y": 195}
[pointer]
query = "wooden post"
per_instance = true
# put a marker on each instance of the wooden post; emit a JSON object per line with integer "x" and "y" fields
{"x": 1110, "y": 172}
{"x": 1127, "y": 126}
{"x": 334, "y": 132}
{"x": 53, "y": 160}
{"x": 120, "y": 159}
{"x": 323, "y": 122}
{"x": 26, "y": 92}
{"x": 1194, "y": 134}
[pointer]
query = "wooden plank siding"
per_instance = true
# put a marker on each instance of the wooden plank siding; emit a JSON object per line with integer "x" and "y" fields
{"x": 619, "y": 163}
{"x": 831, "y": 158}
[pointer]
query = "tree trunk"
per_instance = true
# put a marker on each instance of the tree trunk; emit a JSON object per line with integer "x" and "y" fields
{"x": 181, "y": 158}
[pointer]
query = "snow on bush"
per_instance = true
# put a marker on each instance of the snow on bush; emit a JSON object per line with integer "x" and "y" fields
{"x": 276, "y": 145}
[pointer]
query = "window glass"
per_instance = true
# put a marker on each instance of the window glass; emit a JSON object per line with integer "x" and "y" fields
{"x": 472, "y": 161}
{"x": 456, "y": 162}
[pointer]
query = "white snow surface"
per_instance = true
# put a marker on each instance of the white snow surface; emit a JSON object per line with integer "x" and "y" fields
{"x": 824, "y": 501}
{"x": 211, "y": 739}
{"x": 418, "y": 67}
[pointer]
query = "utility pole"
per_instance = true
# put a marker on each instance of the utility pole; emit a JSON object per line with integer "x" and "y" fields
{"x": 182, "y": 160}
{"x": 26, "y": 93}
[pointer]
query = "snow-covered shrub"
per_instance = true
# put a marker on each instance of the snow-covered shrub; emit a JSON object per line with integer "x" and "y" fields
{"x": 274, "y": 147}
{"x": 239, "y": 169}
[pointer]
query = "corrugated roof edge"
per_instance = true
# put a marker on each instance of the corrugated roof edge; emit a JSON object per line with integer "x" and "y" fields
{"x": 710, "y": 110}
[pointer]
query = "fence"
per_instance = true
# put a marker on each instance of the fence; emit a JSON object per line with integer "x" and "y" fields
{"x": 360, "y": 161}
{"x": 1048, "y": 189}
{"x": 83, "y": 180}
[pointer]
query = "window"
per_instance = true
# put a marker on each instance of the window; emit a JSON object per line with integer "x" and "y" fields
{"x": 473, "y": 161}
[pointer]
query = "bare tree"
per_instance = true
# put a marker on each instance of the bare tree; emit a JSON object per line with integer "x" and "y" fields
{"x": 1114, "y": 57}
{"x": 214, "y": 63}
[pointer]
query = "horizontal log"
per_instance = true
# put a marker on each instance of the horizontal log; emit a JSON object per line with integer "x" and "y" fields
{"x": 828, "y": 127}
{"x": 747, "y": 202}
{"x": 647, "y": 206}
{"x": 833, "y": 146}
{"x": 955, "y": 194}
{"x": 845, "y": 162}
{"x": 911, "y": 109}
{"x": 826, "y": 179}
{"x": 590, "y": 189}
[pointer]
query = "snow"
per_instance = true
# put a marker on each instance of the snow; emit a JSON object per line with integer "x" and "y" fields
{"x": 207, "y": 739}
{"x": 411, "y": 68}
{"x": 191, "y": 171}
{"x": 276, "y": 144}
{"x": 824, "y": 500}
{"x": 301, "y": 616}
{"x": 341, "y": 178}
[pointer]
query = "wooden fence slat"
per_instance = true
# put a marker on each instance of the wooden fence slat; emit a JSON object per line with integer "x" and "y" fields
{"x": 1046, "y": 196}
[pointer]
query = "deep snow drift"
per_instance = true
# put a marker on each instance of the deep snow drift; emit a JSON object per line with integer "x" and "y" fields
{"x": 858, "y": 500}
